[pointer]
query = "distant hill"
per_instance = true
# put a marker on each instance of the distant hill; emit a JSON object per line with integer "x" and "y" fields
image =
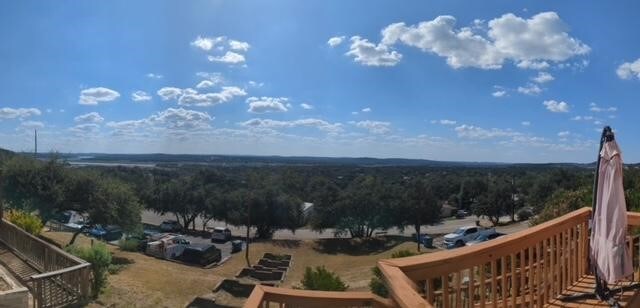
{"x": 231, "y": 160}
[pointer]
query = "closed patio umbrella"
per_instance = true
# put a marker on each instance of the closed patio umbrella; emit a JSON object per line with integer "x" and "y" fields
{"x": 610, "y": 255}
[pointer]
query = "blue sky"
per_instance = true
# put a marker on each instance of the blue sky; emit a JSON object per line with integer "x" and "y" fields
{"x": 532, "y": 81}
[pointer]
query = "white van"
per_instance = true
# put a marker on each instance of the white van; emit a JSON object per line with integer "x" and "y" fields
{"x": 220, "y": 234}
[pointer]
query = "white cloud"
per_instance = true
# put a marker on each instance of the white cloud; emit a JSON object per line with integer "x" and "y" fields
{"x": 85, "y": 129}
{"x": 205, "y": 84}
{"x": 30, "y": 125}
{"x": 239, "y": 45}
{"x": 543, "y": 77}
{"x": 335, "y": 41}
{"x": 564, "y": 134}
{"x": 154, "y": 76}
{"x": 525, "y": 123}
{"x": 21, "y": 113}
{"x": 172, "y": 119}
{"x": 475, "y": 132}
{"x": 230, "y": 57}
{"x": 499, "y": 93}
{"x": 94, "y": 96}
{"x": 168, "y": 93}
{"x": 367, "y": 109}
{"x": 140, "y": 96}
{"x": 207, "y": 43}
{"x": 310, "y": 122}
{"x": 444, "y": 122}
{"x": 534, "y": 65}
{"x": 367, "y": 53}
{"x": 555, "y": 106}
{"x": 267, "y": 104}
{"x": 215, "y": 77}
{"x": 595, "y": 108}
{"x": 91, "y": 117}
{"x": 530, "y": 89}
{"x": 529, "y": 43}
{"x": 375, "y": 127}
{"x": 191, "y": 97}
{"x": 629, "y": 70}
{"x": 306, "y": 106}
{"x": 354, "y": 112}
{"x": 256, "y": 84}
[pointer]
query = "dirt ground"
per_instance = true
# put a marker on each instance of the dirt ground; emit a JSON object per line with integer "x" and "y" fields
{"x": 151, "y": 282}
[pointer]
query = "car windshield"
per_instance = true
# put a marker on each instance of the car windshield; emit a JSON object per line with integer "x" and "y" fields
{"x": 481, "y": 237}
{"x": 459, "y": 231}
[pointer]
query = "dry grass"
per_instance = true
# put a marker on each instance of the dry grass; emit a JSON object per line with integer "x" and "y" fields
{"x": 151, "y": 282}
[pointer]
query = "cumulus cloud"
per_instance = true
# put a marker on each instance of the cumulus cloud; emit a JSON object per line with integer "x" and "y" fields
{"x": 582, "y": 118}
{"x": 529, "y": 43}
{"x": 85, "y": 129}
{"x": 595, "y": 108}
{"x": 335, "y": 41}
{"x": 309, "y": 122}
{"x": 21, "y": 113}
{"x": 171, "y": 119}
{"x": 444, "y": 122}
{"x": 154, "y": 76}
{"x": 267, "y": 104}
{"x": 543, "y": 77}
{"x": 564, "y": 134}
{"x": 629, "y": 70}
{"x": 530, "y": 89}
{"x": 229, "y": 57}
{"x": 168, "y": 93}
{"x": 499, "y": 93}
{"x": 475, "y": 132}
{"x": 91, "y": 117}
{"x": 94, "y": 96}
{"x": 239, "y": 45}
{"x": 306, "y": 106}
{"x": 367, "y": 109}
{"x": 205, "y": 84}
{"x": 555, "y": 106}
{"x": 367, "y": 53}
{"x": 30, "y": 125}
{"x": 207, "y": 43}
{"x": 374, "y": 127}
{"x": 191, "y": 97}
{"x": 525, "y": 123}
{"x": 140, "y": 96}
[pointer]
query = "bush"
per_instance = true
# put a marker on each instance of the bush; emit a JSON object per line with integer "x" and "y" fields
{"x": 100, "y": 258}
{"x": 322, "y": 279}
{"x": 26, "y": 221}
{"x": 524, "y": 214}
{"x": 377, "y": 284}
{"x": 129, "y": 244}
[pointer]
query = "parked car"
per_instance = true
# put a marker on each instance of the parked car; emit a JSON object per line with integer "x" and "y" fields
{"x": 170, "y": 246}
{"x": 462, "y": 235}
{"x": 236, "y": 246}
{"x": 220, "y": 234}
{"x": 202, "y": 254}
{"x": 106, "y": 233}
{"x": 425, "y": 240}
{"x": 484, "y": 237}
{"x": 170, "y": 226}
{"x": 462, "y": 214}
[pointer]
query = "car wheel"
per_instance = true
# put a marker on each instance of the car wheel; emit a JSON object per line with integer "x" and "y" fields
{"x": 459, "y": 243}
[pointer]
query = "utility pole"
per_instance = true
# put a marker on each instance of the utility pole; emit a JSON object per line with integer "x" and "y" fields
{"x": 35, "y": 141}
{"x": 246, "y": 251}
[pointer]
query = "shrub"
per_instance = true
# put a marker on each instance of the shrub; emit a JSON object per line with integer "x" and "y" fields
{"x": 100, "y": 258}
{"x": 377, "y": 284}
{"x": 129, "y": 244}
{"x": 322, "y": 279}
{"x": 524, "y": 214}
{"x": 27, "y": 221}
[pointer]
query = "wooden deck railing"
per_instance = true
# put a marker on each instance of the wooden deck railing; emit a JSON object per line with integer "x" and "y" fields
{"x": 64, "y": 278}
{"x": 266, "y": 297}
{"x": 527, "y": 268}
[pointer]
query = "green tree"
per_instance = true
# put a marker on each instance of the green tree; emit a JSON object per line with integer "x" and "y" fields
{"x": 496, "y": 202}
{"x": 418, "y": 206}
{"x": 322, "y": 279}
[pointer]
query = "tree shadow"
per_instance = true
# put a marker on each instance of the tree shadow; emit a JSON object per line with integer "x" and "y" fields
{"x": 359, "y": 247}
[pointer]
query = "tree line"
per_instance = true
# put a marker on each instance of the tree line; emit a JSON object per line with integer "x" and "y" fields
{"x": 352, "y": 200}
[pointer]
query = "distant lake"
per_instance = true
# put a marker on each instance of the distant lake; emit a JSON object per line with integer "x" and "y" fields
{"x": 111, "y": 164}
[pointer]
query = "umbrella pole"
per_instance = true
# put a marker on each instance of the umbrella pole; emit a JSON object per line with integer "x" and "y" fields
{"x": 599, "y": 290}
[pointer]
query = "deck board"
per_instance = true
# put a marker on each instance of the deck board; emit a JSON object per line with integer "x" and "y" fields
{"x": 627, "y": 298}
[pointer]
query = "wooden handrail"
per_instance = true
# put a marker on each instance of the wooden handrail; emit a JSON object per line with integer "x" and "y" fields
{"x": 439, "y": 263}
{"x": 308, "y": 298}
{"x": 60, "y": 272}
{"x": 402, "y": 289}
{"x": 633, "y": 218}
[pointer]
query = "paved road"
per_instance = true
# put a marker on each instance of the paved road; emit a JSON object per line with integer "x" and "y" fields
{"x": 446, "y": 226}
